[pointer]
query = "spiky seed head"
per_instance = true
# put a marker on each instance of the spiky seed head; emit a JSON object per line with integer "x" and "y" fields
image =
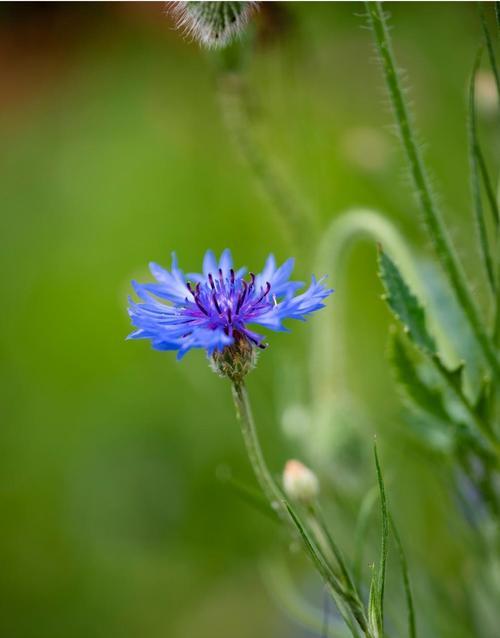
{"x": 212, "y": 24}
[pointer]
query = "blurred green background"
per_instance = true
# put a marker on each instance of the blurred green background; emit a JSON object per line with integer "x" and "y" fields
{"x": 114, "y": 153}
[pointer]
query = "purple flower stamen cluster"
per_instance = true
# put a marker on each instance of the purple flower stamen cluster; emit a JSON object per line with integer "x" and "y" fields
{"x": 213, "y": 310}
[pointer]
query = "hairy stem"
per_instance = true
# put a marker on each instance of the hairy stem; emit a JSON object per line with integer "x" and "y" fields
{"x": 262, "y": 473}
{"x": 430, "y": 211}
{"x": 346, "y": 598}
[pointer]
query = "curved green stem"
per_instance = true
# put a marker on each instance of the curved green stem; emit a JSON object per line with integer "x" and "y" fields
{"x": 430, "y": 212}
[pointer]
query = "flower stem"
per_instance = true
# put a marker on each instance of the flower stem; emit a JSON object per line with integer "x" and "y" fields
{"x": 430, "y": 211}
{"x": 262, "y": 473}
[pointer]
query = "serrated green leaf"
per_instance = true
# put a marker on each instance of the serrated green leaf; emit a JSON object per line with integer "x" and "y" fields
{"x": 404, "y": 304}
{"x": 455, "y": 375}
{"x": 454, "y": 334}
{"x": 421, "y": 395}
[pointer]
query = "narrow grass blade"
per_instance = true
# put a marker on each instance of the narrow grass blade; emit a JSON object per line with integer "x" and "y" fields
{"x": 412, "y": 625}
{"x": 365, "y": 512}
{"x": 385, "y": 534}
{"x": 340, "y": 596}
{"x": 488, "y": 187}
{"x": 313, "y": 552}
{"x": 374, "y": 612}
{"x": 489, "y": 46}
{"x": 475, "y": 180}
{"x": 346, "y": 575}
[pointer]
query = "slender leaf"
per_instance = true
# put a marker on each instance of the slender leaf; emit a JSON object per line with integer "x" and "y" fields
{"x": 374, "y": 611}
{"x": 404, "y": 304}
{"x": 488, "y": 186}
{"x": 362, "y": 524}
{"x": 385, "y": 535}
{"x": 489, "y": 46}
{"x": 475, "y": 179}
{"x": 346, "y": 575}
{"x": 324, "y": 569}
{"x": 412, "y": 625}
{"x": 313, "y": 551}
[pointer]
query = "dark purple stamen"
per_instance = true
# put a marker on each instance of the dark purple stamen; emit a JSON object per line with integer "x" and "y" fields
{"x": 188, "y": 286}
{"x": 216, "y": 303}
{"x": 200, "y": 305}
{"x": 266, "y": 292}
{"x": 197, "y": 299}
{"x": 231, "y": 272}
{"x": 211, "y": 281}
{"x": 229, "y": 315}
{"x": 242, "y": 296}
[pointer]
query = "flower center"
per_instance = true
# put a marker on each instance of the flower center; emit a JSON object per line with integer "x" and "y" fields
{"x": 230, "y": 300}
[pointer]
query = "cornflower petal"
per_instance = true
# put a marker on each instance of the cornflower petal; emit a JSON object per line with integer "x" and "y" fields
{"x": 214, "y": 310}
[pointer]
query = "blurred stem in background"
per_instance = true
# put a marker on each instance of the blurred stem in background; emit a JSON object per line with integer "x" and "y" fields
{"x": 430, "y": 212}
{"x": 295, "y": 217}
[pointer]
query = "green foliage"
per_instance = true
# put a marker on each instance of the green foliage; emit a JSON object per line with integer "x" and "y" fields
{"x": 405, "y": 305}
{"x": 422, "y": 395}
{"x": 475, "y": 160}
{"x": 380, "y": 588}
{"x": 412, "y": 623}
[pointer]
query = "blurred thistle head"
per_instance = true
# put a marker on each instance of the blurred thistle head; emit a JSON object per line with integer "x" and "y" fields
{"x": 212, "y": 24}
{"x": 213, "y": 310}
{"x": 300, "y": 483}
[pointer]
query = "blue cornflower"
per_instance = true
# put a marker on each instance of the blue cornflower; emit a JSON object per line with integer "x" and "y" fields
{"x": 213, "y": 310}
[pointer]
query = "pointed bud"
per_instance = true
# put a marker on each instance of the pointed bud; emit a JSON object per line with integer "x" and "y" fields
{"x": 300, "y": 483}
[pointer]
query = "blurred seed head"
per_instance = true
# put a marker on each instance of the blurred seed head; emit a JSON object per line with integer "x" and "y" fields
{"x": 300, "y": 483}
{"x": 212, "y": 24}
